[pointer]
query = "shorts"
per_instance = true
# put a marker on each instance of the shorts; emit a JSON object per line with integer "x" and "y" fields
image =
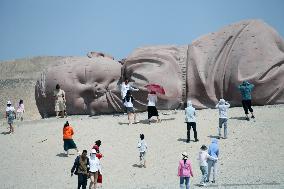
{"x": 130, "y": 110}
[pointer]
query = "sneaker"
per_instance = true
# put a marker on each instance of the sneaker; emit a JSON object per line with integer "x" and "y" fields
{"x": 252, "y": 117}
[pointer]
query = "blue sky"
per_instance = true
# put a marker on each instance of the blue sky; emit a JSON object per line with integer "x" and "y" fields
{"x": 74, "y": 27}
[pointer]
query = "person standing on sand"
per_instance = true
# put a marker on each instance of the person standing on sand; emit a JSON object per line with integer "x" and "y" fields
{"x": 190, "y": 120}
{"x": 184, "y": 171}
{"x": 20, "y": 110}
{"x": 10, "y": 114}
{"x": 60, "y": 101}
{"x": 99, "y": 156}
{"x": 214, "y": 152}
{"x": 128, "y": 103}
{"x": 203, "y": 157}
{"x": 142, "y": 145}
{"x": 223, "y": 107}
{"x": 67, "y": 138}
{"x": 95, "y": 168}
{"x": 245, "y": 89}
{"x": 151, "y": 107}
{"x": 81, "y": 169}
{"x": 124, "y": 87}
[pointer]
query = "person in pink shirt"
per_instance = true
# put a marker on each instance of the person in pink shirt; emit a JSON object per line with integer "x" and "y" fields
{"x": 184, "y": 171}
{"x": 20, "y": 110}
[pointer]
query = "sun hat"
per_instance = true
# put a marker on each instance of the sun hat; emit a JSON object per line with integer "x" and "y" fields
{"x": 93, "y": 151}
{"x": 203, "y": 147}
{"x": 9, "y": 102}
{"x": 184, "y": 155}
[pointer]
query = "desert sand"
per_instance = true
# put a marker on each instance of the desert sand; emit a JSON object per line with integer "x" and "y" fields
{"x": 252, "y": 156}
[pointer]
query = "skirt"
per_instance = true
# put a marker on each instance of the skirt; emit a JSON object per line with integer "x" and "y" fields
{"x": 69, "y": 144}
{"x": 60, "y": 105}
{"x": 152, "y": 111}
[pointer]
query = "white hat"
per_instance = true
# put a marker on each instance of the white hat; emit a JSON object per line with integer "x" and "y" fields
{"x": 9, "y": 102}
{"x": 184, "y": 155}
{"x": 93, "y": 151}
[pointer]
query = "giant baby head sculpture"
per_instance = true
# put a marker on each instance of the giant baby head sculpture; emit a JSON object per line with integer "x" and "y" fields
{"x": 209, "y": 69}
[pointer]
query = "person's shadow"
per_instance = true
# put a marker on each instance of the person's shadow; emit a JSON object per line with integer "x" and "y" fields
{"x": 5, "y": 133}
{"x": 238, "y": 118}
{"x": 61, "y": 155}
{"x": 214, "y": 136}
{"x": 136, "y": 165}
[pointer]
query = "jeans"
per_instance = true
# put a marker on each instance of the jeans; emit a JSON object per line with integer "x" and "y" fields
{"x": 204, "y": 172}
{"x": 82, "y": 181}
{"x": 193, "y": 125}
{"x": 212, "y": 163}
{"x": 223, "y": 121}
{"x": 187, "y": 182}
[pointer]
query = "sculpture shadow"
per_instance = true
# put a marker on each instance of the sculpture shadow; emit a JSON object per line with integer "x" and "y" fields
{"x": 238, "y": 118}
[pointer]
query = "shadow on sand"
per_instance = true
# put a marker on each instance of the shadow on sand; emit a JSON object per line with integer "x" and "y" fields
{"x": 5, "y": 133}
{"x": 184, "y": 140}
{"x": 136, "y": 165}
{"x": 61, "y": 155}
{"x": 214, "y": 136}
{"x": 238, "y": 118}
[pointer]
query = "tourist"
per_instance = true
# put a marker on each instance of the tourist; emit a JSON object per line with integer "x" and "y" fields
{"x": 142, "y": 145}
{"x": 95, "y": 168}
{"x": 67, "y": 138}
{"x": 151, "y": 107}
{"x": 60, "y": 101}
{"x": 245, "y": 89}
{"x": 190, "y": 120}
{"x": 10, "y": 115}
{"x": 128, "y": 103}
{"x": 184, "y": 171}
{"x": 81, "y": 169}
{"x": 20, "y": 110}
{"x": 223, "y": 107}
{"x": 214, "y": 152}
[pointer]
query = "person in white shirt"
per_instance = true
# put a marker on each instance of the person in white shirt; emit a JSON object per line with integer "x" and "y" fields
{"x": 151, "y": 106}
{"x": 142, "y": 146}
{"x": 203, "y": 156}
{"x": 95, "y": 168}
{"x": 190, "y": 121}
{"x": 125, "y": 86}
{"x": 128, "y": 103}
{"x": 10, "y": 115}
{"x": 223, "y": 107}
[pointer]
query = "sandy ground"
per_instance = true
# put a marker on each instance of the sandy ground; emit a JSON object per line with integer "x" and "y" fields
{"x": 252, "y": 156}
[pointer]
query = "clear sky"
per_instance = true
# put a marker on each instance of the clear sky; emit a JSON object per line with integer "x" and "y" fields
{"x": 74, "y": 27}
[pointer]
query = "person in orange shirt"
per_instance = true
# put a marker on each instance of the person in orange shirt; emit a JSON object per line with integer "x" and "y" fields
{"x": 67, "y": 138}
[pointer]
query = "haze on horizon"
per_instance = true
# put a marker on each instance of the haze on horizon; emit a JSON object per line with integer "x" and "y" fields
{"x": 73, "y": 28}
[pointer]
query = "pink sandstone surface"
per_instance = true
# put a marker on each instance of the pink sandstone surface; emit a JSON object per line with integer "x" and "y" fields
{"x": 208, "y": 69}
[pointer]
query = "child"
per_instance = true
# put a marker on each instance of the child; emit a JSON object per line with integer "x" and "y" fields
{"x": 20, "y": 110}
{"x": 142, "y": 145}
{"x": 184, "y": 171}
{"x": 10, "y": 115}
{"x": 203, "y": 156}
{"x": 128, "y": 103}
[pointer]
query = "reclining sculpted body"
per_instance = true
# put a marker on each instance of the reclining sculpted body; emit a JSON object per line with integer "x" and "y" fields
{"x": 209, "y": 69}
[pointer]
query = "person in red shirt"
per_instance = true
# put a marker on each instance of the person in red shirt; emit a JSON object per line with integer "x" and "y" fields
{"x": 99, "y": 156}
{"x": 67, "y": 138}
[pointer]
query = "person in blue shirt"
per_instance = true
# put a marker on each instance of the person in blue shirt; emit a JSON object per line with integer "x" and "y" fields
{"x": 246, "y": 89}
{"x": 214, "y": 152}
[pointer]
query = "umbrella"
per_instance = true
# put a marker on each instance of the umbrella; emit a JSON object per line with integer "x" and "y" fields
{"x": 156, "y": 88}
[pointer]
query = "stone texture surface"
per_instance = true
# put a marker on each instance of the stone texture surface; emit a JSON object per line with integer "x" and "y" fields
{"x": 208, "y": 69}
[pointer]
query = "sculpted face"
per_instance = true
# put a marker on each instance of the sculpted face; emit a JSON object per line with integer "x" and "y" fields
{"x": 90, "y": 86}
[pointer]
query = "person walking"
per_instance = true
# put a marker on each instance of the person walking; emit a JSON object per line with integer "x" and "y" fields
{"x": 223, "y": 107}
{"x": 184, "y": 171}
{"x": 60, "y": 100}
{"x": 214, "y": 152}
{"x": 151, "y": 107}
{"x": 81, "y": 168}
{"x": 10, "y": 115}
{"x": 21, "y": 110}
{"x": 68, "y": 138}
{"x": 142, "y": 146}
{"x": 190, "y": 119}
{"x": 203, "y": 156}
{"x": 246, "y": 89}
{"x": 128, "y": 103}
{"x": 95, "y": 168}
{"x": 99, "y": 156}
